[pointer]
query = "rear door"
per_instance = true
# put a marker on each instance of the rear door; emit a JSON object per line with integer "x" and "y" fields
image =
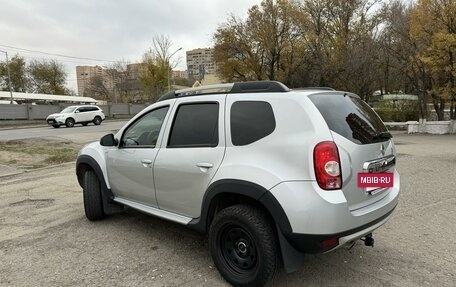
{"x": 364, "y": 143}
{"x": 91, "y": 113}
{"x": 85, "y": 114}
{"x": 191, "y": 152}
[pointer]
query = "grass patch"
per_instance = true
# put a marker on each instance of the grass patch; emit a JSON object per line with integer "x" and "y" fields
{"x": 62, "y": 155}
{"x": 36, "y": 153}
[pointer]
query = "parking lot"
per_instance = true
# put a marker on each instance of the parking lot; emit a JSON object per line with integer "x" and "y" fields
{"x": 45, "y": 239}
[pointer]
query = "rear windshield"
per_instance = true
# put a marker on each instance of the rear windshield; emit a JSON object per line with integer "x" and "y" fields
{"x": 351, "y": 117}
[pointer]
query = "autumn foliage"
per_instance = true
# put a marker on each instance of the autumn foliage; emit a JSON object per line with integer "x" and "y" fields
{"x": 356, "y": 45}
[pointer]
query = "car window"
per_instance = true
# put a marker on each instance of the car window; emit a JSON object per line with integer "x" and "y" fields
{"x": 68, "y": 110}
{"x": 144, "y": 132}
{"x": 195, "y": 125}
{"x": 350, "y": 117}
{"x": 81, "y": 110}
{"x": 251, "y": 121}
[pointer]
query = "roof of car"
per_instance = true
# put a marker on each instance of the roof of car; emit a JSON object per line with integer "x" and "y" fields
{"x": 78, "y": 106}
{"x": 237, "y": 88}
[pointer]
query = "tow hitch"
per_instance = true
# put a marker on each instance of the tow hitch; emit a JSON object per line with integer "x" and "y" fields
{"x": 368, "y": 240}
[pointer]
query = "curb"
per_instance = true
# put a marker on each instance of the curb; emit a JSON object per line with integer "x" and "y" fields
{"x": 22, "y": 127}
{"x": 38, "y": 169}
{"x": 11, "y": 174}
{"x": 43, "y": 126}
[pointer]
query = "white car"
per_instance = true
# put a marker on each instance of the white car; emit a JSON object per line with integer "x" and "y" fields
{"x": 77, "y": 115}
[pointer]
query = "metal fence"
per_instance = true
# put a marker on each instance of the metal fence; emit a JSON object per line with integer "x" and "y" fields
{"x": 40, "y": 112}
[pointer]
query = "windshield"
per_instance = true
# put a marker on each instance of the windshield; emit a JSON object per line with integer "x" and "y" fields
{"x": 351, "y": 117}
{"x": 68, "y": 110}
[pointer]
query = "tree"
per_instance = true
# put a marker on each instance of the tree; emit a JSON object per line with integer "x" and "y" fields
{"x": 402, "y": 68}
{"x": 266, "y": 45}
{"x": 308, "y": 43}
{"x": 47, "y": 77}
{"x": 341, "y": 39}
{"x": 433, "y": 28}
{"x": 120, "y": 76}
{"x": 18, "y": 72}
{"x": 182, "y": 82}
{"x": 98, "y": 89}
{"x": 156, "y": 67}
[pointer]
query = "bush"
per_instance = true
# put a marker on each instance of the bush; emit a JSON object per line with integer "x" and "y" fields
{"x": 398, "y": 111}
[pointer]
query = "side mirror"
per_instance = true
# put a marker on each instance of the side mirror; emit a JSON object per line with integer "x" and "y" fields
{"x": 108, "y": 140}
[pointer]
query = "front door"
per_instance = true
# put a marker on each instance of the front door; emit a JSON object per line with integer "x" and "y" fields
{"x": 190, "y": 154}
{"x": 129, "y": 166}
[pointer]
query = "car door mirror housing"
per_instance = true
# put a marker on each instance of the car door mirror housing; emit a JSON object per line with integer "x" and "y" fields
{"x": 108, "y": 140}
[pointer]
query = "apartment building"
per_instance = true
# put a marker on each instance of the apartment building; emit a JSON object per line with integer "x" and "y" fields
{"x": 177, "y": 74}
{"x": 200, "y": 62}
{"x": 84, "y": 74}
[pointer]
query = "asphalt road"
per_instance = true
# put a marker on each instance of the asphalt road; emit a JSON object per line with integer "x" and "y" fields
{"x": 78, "y": 133}
{"x": 45, "y": 239}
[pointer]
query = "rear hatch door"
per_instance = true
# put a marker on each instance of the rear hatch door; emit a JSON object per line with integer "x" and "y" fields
{"x": 364, "y": 143}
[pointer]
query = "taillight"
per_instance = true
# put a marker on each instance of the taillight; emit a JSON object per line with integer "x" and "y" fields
{"x": 327, "y": 166}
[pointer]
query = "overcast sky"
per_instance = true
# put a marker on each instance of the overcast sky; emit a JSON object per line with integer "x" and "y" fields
{"x": 108, "y": 29}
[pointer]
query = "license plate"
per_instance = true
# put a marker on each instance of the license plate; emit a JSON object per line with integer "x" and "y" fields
{"x": 375, "y": 180}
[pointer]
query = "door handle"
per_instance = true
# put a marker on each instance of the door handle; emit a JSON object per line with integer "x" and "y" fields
{"x": 204, "y": 165}
{"x": 146, "y": 162}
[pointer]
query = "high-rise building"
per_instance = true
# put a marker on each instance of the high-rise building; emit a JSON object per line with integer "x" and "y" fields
{"x": 135, "y": 71}
{"x": 85, "y": 73}
{"x": 200, "y": 62}
{"x": 177, "y": 74}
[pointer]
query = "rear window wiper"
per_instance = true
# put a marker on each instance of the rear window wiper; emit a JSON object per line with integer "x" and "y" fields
{"x": 382, "y": 136}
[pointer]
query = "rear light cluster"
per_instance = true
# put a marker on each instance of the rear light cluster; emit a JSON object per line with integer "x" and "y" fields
{"x": 327, "y": 166}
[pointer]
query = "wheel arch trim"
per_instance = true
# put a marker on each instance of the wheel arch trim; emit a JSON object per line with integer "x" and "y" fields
{"x": 244, "y": 188}
{"x": 81, "y": 163}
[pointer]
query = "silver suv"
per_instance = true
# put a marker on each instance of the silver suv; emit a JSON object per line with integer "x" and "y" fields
{"x": 77, "y": 115}
{"x": 267, "y": 172}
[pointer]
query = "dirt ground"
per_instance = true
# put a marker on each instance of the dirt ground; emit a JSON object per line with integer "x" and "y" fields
{"x": 45, "y": 239}
{"x": 28, "y": 154}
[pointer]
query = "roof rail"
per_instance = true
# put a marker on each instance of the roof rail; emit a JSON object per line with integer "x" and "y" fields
{"x": 259, "y": 87}
{"x": 241, "y": 87}
{"x": 314, "y": 88}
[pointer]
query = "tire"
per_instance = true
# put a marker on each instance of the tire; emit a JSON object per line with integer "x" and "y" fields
{"x": 56, "y": 126}
{"x": 84, "y": 124}
{"x": 69, "y": 122}
{"x": 243, "y": 245}
{"x": 97, "y": 121}
{"x": 93, "y": 203}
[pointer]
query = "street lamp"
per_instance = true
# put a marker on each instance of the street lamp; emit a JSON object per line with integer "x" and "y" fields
{"x": 169, "y": 85}
{"x": 9, "y": 75}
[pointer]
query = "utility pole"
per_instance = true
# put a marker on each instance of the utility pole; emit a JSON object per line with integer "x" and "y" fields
{"x": 169, "y": 62}
{"x": 9, "y": 75}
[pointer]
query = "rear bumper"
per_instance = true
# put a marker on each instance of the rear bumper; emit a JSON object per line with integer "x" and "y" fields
{"x": 310, "y": 243}
{"x": 322, "y": 221}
